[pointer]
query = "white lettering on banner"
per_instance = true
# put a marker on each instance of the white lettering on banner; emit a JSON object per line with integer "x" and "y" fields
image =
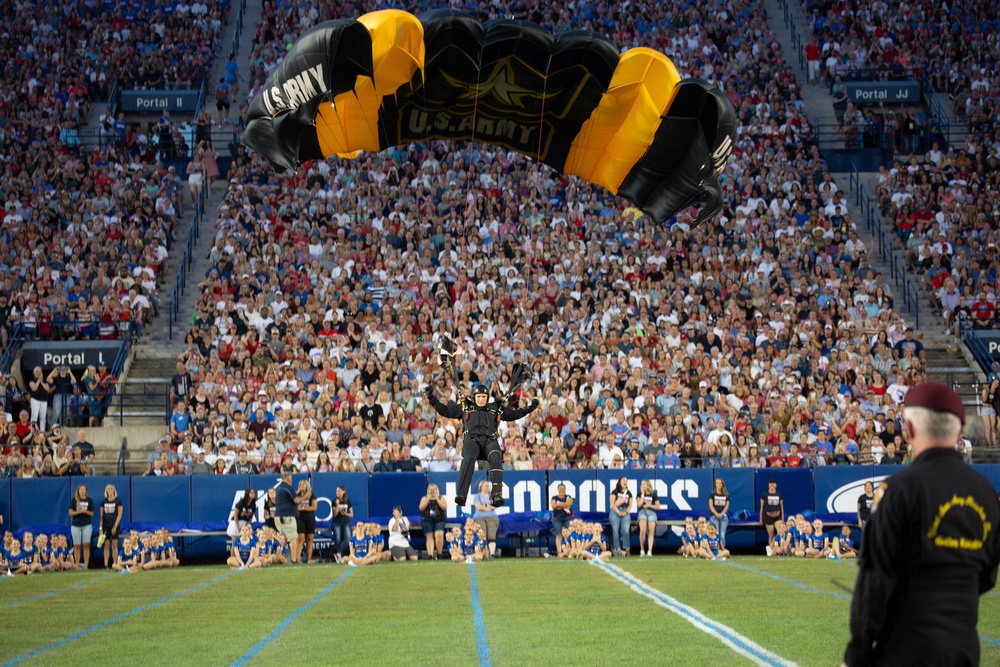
{"x": 662, "y": 492}
{"x": 593, "y": 486}
{"x": 677, "y": 490}
{"x": 532, "y": 490}
{"x": 993, "y": 347}
{"x": 525, "y": 497}
{"x": 65, "y": 359}
{"x": 844, "y": 499}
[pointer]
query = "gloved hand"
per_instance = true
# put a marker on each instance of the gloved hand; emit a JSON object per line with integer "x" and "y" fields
{"x": 534, "y": 404}
{"x": 429, "y": 390}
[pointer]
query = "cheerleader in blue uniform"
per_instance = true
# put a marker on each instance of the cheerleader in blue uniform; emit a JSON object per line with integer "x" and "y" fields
{"x": 245, "y": 550}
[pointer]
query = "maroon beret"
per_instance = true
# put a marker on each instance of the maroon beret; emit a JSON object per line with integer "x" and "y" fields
{"x": 936, "y": 396}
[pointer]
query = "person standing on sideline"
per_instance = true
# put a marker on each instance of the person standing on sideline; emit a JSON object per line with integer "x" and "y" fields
{"x": 772, "y": 508}
{"x": 648, "y": 503}
{"x": 931, "y": 547}
{"x": 562, "y": 514}
{"x": 286, "y": 508}
{"x": 865, "y": 502}
{"x": 718, "y": 505}
{"x": 111, "y": 523}
{"x": 620, "y": 517}
{"x": 81, "y": 512}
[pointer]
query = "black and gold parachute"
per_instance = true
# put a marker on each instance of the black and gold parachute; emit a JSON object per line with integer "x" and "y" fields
{"x": 626, "y": 122}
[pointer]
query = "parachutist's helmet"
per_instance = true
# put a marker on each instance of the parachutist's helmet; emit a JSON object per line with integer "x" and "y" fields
{"x": 480, "y": 389}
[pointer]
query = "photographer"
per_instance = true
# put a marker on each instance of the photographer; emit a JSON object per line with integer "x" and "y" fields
{"x": 399, "y": 536}
{"x": 77, "y": 465}
{"x": 433, "y": 508}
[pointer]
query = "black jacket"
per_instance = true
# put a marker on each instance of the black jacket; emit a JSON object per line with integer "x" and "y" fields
{"x": 479, "y": 421}
{"x": 930, "y": 550}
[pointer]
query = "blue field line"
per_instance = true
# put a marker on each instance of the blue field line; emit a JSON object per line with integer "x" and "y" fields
{"x": 477, "y": 615}
{"x": 731, "y": 638}
{"x": 56, "y": 592}
{"x": 95, "y": 628}
{"x": 262, "y": 644}
{"x": 842, "y": 596}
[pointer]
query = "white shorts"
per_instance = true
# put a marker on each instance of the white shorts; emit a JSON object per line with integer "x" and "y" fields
{"x": 195, "y": 179}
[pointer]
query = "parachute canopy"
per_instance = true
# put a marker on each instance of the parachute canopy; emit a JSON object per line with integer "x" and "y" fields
{"x": 627, "y": 123}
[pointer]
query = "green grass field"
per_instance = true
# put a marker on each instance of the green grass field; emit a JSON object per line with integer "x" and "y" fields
{"x": 533, "y": 612}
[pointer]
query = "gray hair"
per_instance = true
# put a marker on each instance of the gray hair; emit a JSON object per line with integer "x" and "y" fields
{"x": 933, "y": 424}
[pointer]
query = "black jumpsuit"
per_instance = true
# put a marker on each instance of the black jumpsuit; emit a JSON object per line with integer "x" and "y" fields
{"x": 931, "y": 549}
{"x": 480, "y": 429}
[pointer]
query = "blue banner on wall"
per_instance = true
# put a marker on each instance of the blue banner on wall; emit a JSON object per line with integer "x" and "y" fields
{"x": 161, "y": 499}
{"x": 796, "y": 487}
{"x": 990, "y": 472}
{"x": 740, "y": 487}
{"x": 213, "y": 498}
{"x": 388, "y": 489}
{"x": 325, "y": 485}
{"x": 5, "y": 504}
{"x": 44, "y": 500}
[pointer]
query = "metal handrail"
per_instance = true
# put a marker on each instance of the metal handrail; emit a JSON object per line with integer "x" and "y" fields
{"x": 910, "y": 287}
{"x": 936, "y": 107}
{"x": 121, "y": 458}
{"x": 184, "y": 266}
{"x": 14, "y": 344}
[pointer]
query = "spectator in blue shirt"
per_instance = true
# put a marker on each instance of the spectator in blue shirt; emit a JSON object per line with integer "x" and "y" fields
{"x": 180, "y": 421}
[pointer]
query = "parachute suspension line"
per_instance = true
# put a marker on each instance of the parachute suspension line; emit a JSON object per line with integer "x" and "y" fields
{"x": 541, "y": 116}
{"x": 472, "y": 138}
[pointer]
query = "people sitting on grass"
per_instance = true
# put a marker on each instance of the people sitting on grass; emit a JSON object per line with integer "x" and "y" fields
{"x": 245, "y": 554}
{"x": 129, "y": 556}
{"x": 361, "y": 547}
{"x": 782, "y": 543}
{"x": 818, "y": 544}
{"x": 843, "y": 544}
{"x": 690, "y": 539}
{"x": 711, "y": 545}
{"x": 595, "y": 545}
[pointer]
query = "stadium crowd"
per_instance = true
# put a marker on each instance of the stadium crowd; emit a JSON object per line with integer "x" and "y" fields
{"x": 942, "y": 199}
{"x": 765, "y": 332}
{"x": 86, "y": 234}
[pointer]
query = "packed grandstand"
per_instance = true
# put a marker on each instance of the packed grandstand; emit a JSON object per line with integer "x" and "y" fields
{"x": 764, "y": 337}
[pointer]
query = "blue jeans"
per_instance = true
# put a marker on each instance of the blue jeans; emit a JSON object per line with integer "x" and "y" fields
{"x": 341, "y": 535}
{"x": 57, "y": 408}
{"x": 621, "y": 527}
{"x": 720, "y": 527}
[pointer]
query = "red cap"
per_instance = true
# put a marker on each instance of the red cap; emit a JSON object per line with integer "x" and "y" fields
{"x": 936, "y": 396}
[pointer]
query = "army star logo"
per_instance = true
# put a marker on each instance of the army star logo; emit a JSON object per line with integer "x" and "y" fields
{"x": 499, "y": 85}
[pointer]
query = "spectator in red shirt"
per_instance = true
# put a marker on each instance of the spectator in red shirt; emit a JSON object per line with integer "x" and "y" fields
{"x": 793, "y": 460}
{"x": 776, "y": 460}
{"x": 982, "y": 309}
